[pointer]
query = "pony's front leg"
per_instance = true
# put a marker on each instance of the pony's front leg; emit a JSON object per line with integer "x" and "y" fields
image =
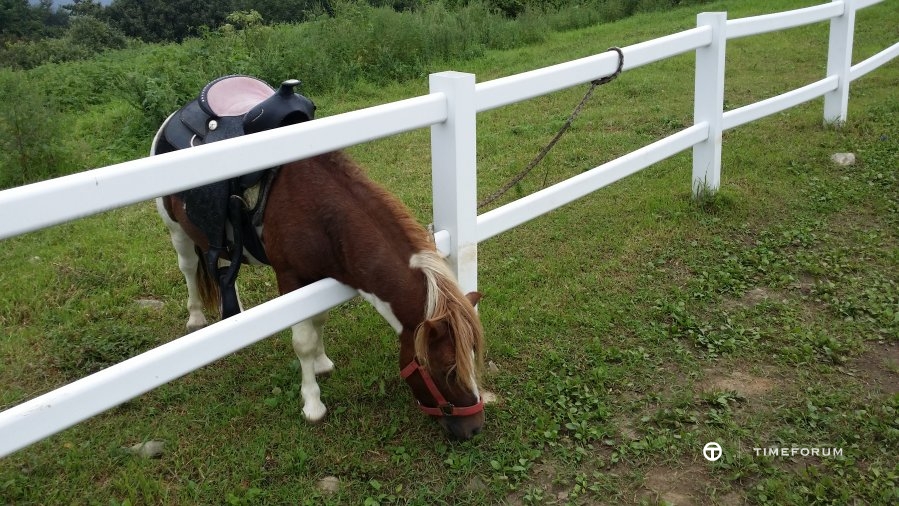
{"x": 188, "y": 261}
{"x": 310, "y": 350}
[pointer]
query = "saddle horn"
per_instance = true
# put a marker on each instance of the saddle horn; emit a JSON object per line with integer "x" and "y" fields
{"x": 284, "y": 107}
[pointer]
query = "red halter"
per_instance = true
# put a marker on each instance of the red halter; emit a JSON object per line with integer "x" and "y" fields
{"x": 443, "y": 408}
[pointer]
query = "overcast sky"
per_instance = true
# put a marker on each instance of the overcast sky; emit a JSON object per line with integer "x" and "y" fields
{"x": 57, "y": 3}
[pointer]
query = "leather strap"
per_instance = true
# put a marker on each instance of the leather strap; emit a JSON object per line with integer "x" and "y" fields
{"x": 444, "y": 408}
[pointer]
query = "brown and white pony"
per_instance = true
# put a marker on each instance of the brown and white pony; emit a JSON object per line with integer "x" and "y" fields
{"x": 326, "y": 218}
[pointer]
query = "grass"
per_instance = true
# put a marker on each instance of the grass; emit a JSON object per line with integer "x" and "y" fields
{"x": 627, "y": 329}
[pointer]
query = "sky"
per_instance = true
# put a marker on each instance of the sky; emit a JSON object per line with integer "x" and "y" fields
{"x": 57, "y": 3}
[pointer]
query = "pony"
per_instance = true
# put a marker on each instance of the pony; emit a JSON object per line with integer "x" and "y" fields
{"x": 325, "y": 218}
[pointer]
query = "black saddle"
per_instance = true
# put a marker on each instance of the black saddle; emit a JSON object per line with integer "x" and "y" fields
{"x": 232, "y": 106}
{"x": 229, "y": 107}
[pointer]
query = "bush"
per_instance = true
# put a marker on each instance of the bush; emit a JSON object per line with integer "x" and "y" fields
{"x": 32, "y": 139}
{"x": 94, "y": 35}
{"x": 85, "y": 38}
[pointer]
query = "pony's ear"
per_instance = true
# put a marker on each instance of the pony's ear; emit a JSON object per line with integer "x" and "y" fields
{"x": 435, "y": 327}
{"x": 474, "y": 297}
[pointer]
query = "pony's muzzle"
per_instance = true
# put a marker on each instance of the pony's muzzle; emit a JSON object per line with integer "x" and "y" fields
{"x": 462, "y": 428}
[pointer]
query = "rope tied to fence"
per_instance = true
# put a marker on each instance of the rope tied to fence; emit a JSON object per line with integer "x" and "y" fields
{"x": 574, "y": 114}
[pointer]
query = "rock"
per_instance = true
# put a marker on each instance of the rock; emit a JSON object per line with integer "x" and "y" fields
{"x": 492, "y": 368}
{"x": 476, "y": 484}
{"x": 148, "y": 449}
{"x": 488, "y": 397}
{"x": 154, "y": 304}
{"x": 328, "y": 485}
{"x": 843, "y": 159}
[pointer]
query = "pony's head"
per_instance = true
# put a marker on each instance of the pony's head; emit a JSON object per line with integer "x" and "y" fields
{"x": 444, "y": 373}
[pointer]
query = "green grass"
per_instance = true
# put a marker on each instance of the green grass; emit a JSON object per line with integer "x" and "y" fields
{"x": 628, "y": 328}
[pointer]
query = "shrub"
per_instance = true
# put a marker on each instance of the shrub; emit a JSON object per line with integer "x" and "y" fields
{"x": 31, "y": 133}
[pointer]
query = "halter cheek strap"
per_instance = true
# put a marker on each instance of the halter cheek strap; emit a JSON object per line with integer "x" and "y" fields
{"x": 443, "y": 408}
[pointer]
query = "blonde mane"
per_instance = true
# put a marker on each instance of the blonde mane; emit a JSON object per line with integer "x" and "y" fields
{"x": 446, "y": 302}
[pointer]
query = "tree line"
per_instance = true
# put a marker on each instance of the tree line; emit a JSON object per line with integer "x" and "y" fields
{"x": 34, "y": 34}
{"x": 174, "y": 20}
{"x": 147, "y": 20}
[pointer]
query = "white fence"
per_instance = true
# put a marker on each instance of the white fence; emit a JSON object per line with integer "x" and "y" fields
{"x": 450, "y": 110}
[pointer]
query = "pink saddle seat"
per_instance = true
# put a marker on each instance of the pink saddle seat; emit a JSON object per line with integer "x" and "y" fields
{"x": 235, "y": 95}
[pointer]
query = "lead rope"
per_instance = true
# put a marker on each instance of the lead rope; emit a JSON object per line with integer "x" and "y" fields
{"x": 574, "y": 114}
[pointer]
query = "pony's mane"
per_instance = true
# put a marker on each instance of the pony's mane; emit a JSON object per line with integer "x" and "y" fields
{"x": 446, "y": 302}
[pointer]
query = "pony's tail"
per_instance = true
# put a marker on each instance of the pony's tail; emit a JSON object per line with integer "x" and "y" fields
{"x": 208, "y": 286}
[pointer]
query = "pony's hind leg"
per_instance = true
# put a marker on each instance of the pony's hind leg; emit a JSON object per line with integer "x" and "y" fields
{"x": 188, "y": 261}
{"x": 310, "y": 350}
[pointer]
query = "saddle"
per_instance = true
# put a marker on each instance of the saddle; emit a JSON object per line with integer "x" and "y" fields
{"x": 229, "y": 107}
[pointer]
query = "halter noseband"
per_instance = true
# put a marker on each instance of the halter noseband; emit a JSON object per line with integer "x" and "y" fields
{"x": 443, "y": 408}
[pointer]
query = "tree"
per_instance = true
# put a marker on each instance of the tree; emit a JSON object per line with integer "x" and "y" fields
{"x": 94, "y": 34}
{"x": 284, "y": 11}
{"x": 19, "y": 20}
{"x": 84, "y": 8}
{"x": 166, "y": 20}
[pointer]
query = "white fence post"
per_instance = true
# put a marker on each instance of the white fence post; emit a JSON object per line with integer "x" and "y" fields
{"x": 708, "y": 104}
{"x": 454, "y": 173}
{"x": 839, "y": 63}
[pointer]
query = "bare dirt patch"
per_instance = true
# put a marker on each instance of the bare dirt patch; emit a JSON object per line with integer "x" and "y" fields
{"x": 757, "y": 295}
{"x": 747, "y": 385}
{"x": 626, "y": 429}
{"x": 546, "y": 479}
{"x": 804, "y": 284}
{"x": 753, "y": 297}
{"x": 679, "y": 486}
{"x": 878, "y": 367}
{"x": 683, "y": 486}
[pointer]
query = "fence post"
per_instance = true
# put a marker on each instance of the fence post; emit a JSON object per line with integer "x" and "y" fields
{"x": 839, "y": 62}
{"x": 708, "y": 104}
{"x": 454, "y": 173}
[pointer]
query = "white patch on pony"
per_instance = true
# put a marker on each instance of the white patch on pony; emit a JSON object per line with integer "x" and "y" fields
{"x": 383, "y": 309}
{"x": 308, "y": 346}
{"x": 473, "y": 381}
{"x": 489, "y": 397}
{"x": 187, "y": 263}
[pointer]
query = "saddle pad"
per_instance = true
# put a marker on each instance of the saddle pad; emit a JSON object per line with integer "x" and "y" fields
{"x": 234, "y": 95}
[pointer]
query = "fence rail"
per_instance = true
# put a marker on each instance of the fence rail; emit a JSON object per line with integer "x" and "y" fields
{"x": 863, "y": 67}
{"x": 782, "y": 102}
{"x": 66, "y": 198}
{"x": 535, "y": 83}
{"x": 776, "y": 22}
{"x": 450, "y": 110}
{"x": 539, "y": 203}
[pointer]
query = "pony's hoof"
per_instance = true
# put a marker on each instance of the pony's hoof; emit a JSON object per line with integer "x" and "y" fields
{"x": 314, "y": 414}
{"x": 195, "y": 323}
